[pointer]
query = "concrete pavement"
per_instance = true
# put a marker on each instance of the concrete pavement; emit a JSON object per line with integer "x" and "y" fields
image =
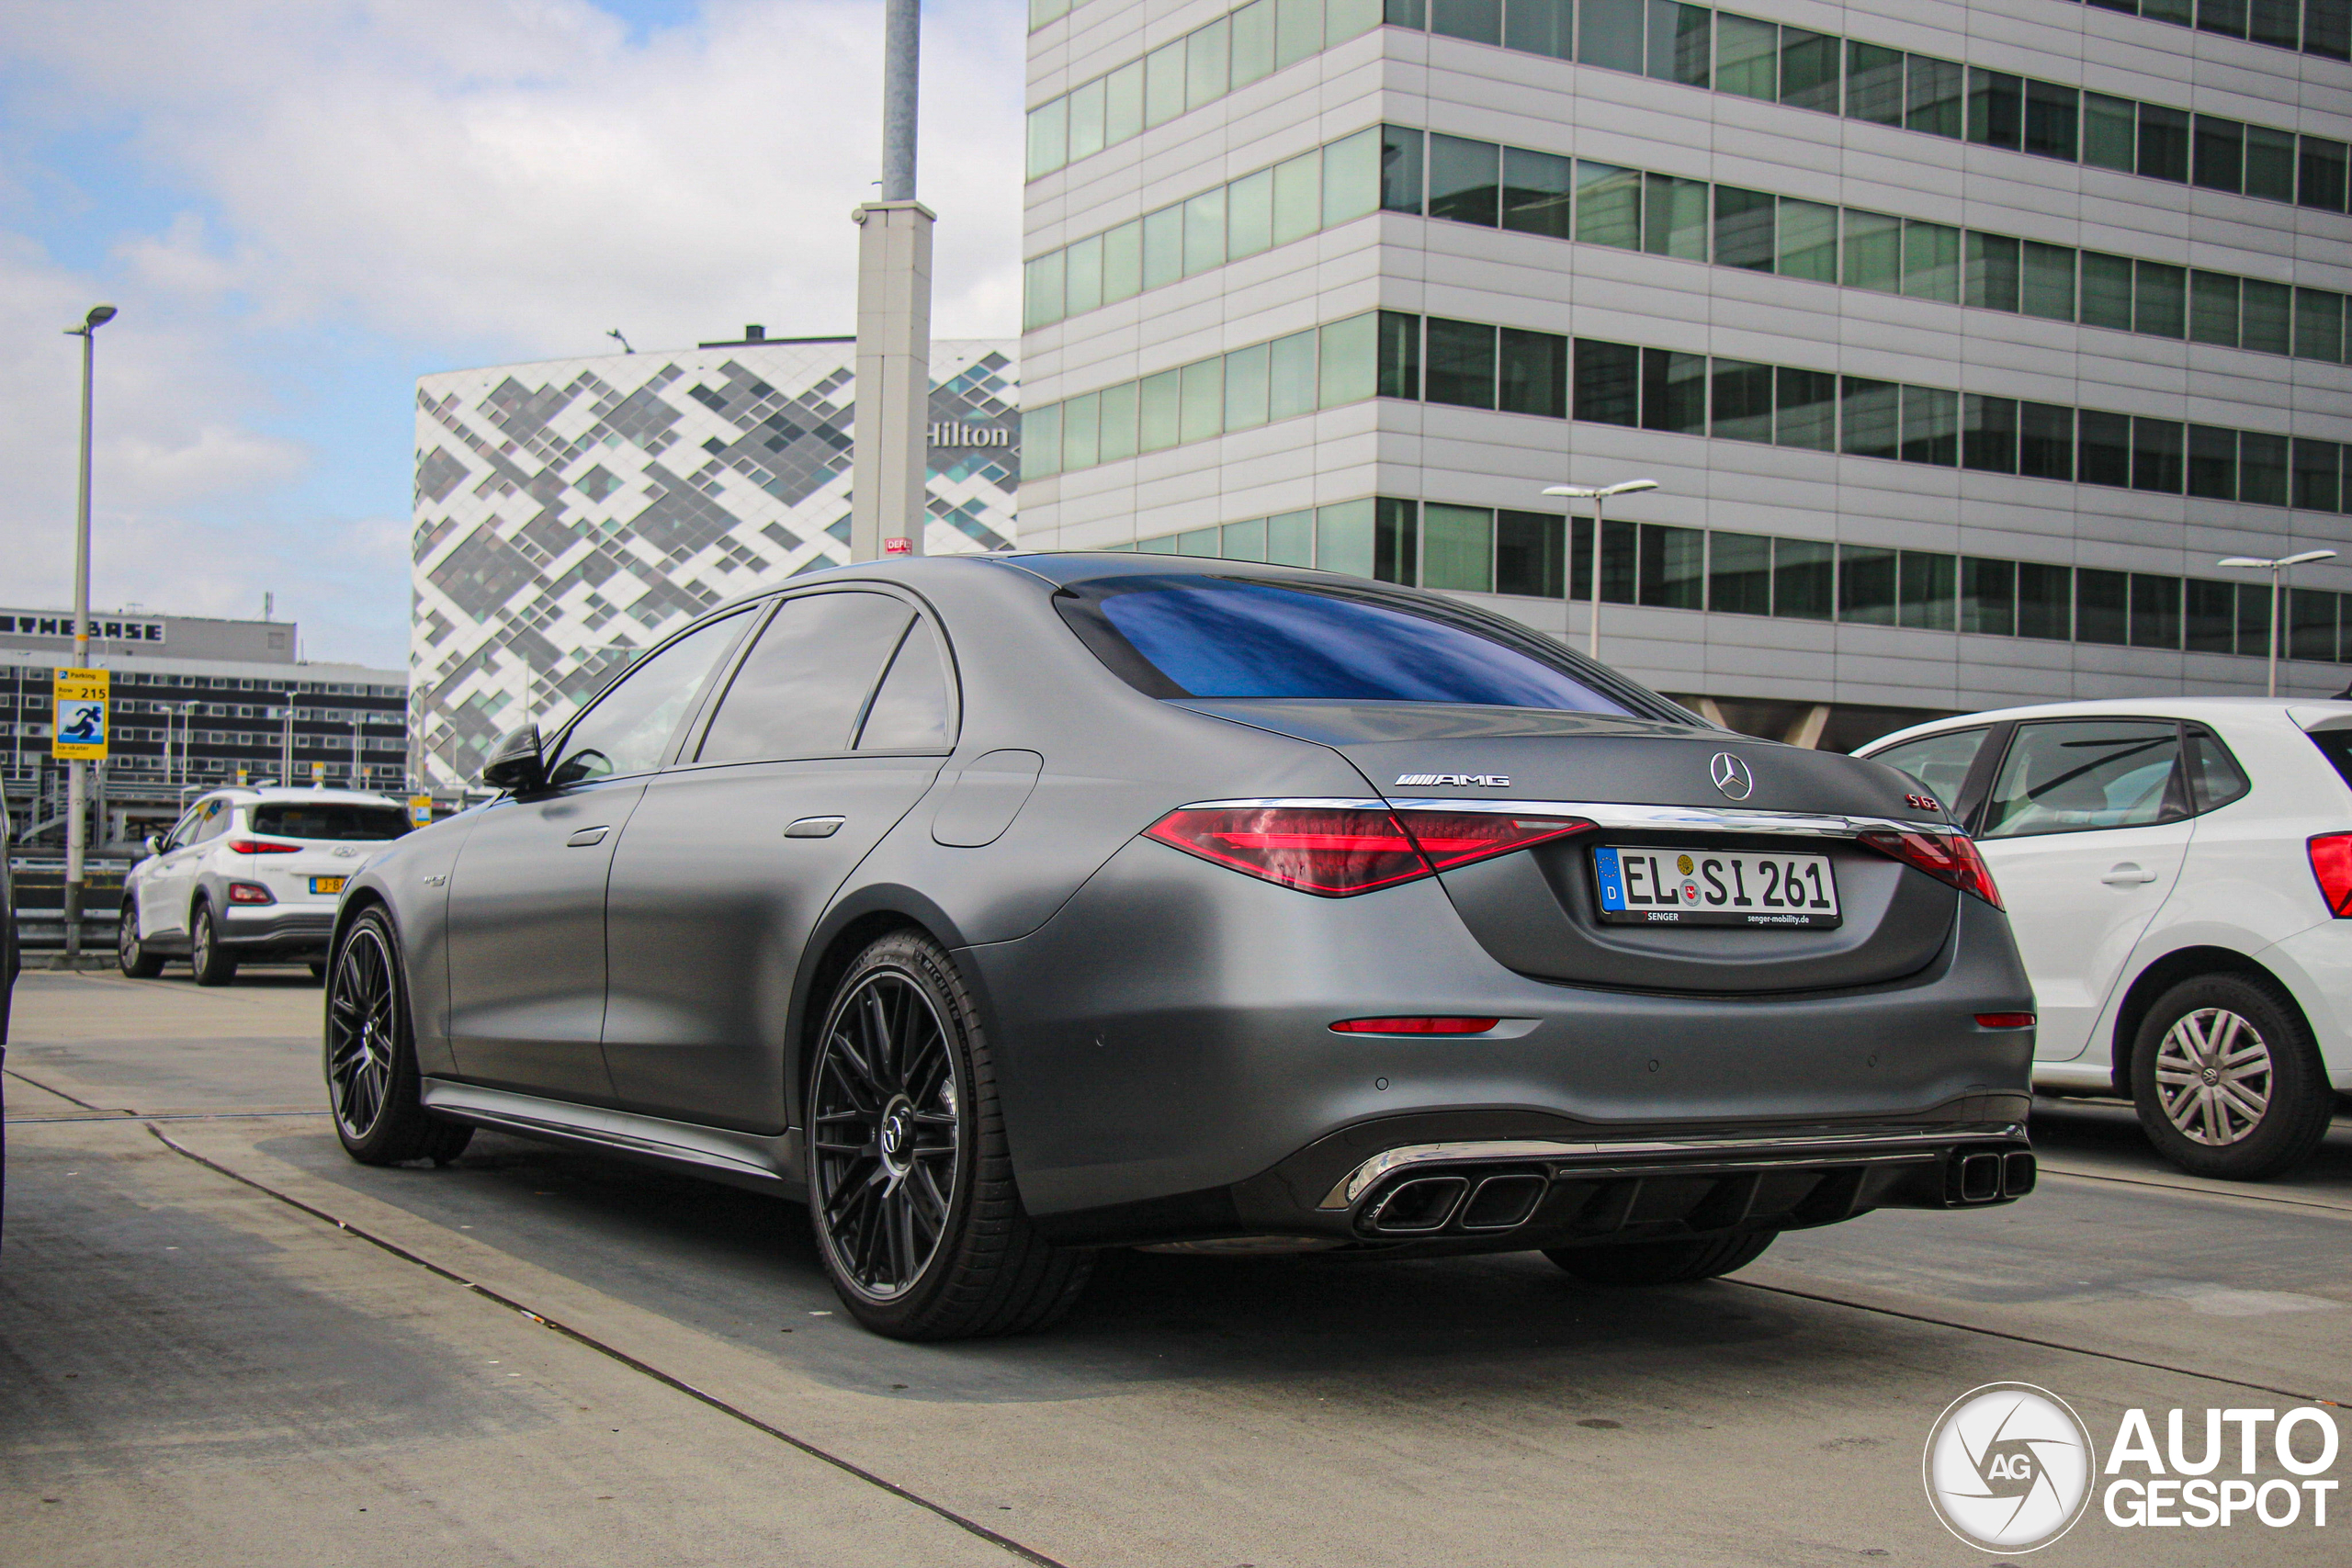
{"x": 199, "y": 1361}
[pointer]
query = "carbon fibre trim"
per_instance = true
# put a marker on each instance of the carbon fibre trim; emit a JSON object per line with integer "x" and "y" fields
{"x": 1863, "y": 1144}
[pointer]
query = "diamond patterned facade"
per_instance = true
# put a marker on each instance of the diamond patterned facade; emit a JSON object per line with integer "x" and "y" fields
{"x": 572, "y": 511}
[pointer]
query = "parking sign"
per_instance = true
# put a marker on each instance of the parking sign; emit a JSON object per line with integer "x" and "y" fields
{"x": 80, "y": 700}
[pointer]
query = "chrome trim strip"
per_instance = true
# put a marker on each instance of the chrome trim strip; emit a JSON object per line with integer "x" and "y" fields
{"x": 1612, "y": 813}
{"x": 1824, "y": 1144}
{"x": 741, "y": 1154}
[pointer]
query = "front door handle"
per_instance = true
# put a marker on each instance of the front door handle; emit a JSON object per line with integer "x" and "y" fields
{"x": 587, "y": 836}
{"x": 814, "y": 827}
{"x": 2127, "y": 875}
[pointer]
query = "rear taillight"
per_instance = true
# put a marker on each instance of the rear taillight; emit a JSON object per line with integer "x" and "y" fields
{"x": 2332, "y": 864}
{"x": 1338, "y": 852}
{"x": 249, "y": 893}
{"x": 261, "y": 847}
{"x": 1415, "y": 1025}
{"x": 1947, "y": 857}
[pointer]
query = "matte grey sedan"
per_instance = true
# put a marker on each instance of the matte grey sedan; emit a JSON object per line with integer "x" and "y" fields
{"x": 1005, "y": 908}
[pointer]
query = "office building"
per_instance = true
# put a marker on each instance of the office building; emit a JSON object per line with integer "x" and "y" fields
{"x": 195, "y": 703}
{"x": 1962, "y": 340}
{"x": 571, "y": 513}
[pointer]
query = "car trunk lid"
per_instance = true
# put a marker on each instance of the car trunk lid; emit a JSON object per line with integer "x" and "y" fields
{"x": 1539, "y": 912}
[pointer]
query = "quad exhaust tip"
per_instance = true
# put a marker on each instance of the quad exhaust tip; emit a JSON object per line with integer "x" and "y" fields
{"x": 1428, "y": 1203}
{"x": 1988, "y": 1178}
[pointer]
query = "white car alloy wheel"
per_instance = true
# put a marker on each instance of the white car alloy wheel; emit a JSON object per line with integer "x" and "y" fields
{"x": 2213, "y": 1075}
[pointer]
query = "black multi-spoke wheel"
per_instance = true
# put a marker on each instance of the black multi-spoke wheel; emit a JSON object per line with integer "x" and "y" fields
{"x": 911, "y": 1180}
{"x": 371, "y": 1058}
{"x": 883, "y": 1129}
{"x": 2227, "y": 1079}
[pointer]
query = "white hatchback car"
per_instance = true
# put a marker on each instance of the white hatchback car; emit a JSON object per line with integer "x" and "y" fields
{"x": 2179, "y": 874}
{"x": 250, "y": 874}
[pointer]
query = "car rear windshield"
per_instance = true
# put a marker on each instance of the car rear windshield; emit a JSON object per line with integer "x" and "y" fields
{"x": 2336, "y": 745}
{"x": 1208, "y": 637}
{"x": 338, "y": 822}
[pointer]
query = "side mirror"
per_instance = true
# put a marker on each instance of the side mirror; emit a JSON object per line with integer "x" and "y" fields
{"x": 155, "y": 845}
{"x": 516, "y": 763}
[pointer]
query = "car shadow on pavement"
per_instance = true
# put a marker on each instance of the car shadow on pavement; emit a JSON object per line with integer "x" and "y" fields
{"x": 743, "y": 1266}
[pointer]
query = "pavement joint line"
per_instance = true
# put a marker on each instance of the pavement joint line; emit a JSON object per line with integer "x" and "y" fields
{"x": 644, "y": 1368}
{"x": 159, "y": 1116}
{"x": 2050, "y": 1169}
{"x": 2031, "y": 1339}
{"x": 61, "y": 1093}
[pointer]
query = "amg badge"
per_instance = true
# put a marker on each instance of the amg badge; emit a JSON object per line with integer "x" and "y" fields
{"x": 1459, "y": 781}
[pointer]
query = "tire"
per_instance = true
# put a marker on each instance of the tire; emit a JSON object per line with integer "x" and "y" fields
{"x": 370, "y": 1055}
{"x": 1661, "y": 1262}
{"x": 2227, "y": 1079}
{"x": 130, "y": 955}
{"x": 910, "y": 1180}
{"x": 212, "y": 963}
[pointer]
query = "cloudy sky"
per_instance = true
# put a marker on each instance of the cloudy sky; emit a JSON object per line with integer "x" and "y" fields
{"x": 301, "y": 206}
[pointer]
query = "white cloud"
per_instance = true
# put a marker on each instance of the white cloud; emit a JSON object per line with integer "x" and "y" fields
{"x": 517, "y": 173}
{"x": 307, "y": 191}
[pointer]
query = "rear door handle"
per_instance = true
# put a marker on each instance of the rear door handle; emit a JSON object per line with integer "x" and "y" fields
{"x": 2127, "y": 875}
{"x": 587, "y": 836}
{"x": 814, "y": 827}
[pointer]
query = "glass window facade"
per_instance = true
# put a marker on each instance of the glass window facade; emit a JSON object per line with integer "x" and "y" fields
{"x": 1548, "y": 556}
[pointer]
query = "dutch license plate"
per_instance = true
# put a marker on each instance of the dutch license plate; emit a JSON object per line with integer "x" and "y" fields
{"x": 1715, "y": 887}
{"x": 326, "y": 884}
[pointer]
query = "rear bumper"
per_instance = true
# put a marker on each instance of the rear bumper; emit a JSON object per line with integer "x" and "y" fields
{"x": 1166, "y": 1063}
{"x": 277, "y": 929}
{"x": 1566, "y": 1191}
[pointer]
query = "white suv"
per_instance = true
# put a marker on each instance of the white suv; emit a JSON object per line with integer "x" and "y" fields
{"x": 2179, "y": 874}
{"x": 250, "y": 874}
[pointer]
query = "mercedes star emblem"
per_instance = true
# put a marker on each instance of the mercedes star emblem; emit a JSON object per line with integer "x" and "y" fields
{"x": 1731, "y": 776}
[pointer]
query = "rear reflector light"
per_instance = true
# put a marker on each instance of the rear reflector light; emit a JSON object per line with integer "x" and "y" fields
{"x": 261, "y": 847}
{"x": 2005, "y": 1020}
{"x": 1338, "y": 852}
{"x": 1947, "y": 857}
{"x": 249, "y": 893}
{"x": 1414, "y": 1025}
{"x": 2332, "y": 864}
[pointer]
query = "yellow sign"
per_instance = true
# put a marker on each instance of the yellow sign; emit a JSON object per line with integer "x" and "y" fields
{"x": 420, "y": 810}
{"x": 79, "y": 732}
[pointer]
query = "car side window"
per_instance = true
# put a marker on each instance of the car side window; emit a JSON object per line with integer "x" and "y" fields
{"x": 628, "y": 729}
{"x": 1939, "y": 761}
{"x": 911, "y": 710}
{"x": 213, "y": 818}
{"x": 184, "y": 831}
{"x": 801, "y": 690}
{"x": 2074, "y": 775}
{"x": 2216, "y": 775}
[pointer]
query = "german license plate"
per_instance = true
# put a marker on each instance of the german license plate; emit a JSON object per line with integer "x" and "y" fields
{"x": 326, "y": 884}
{"x": 1715, "y": 887}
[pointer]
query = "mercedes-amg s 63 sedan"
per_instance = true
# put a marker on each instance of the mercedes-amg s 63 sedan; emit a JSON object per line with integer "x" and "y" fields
{"x": 1008, "y": 908}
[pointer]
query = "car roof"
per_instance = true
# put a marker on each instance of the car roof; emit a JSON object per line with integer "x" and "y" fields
{"x": 2301, "y": 712}
{"x": 250, "y": 795}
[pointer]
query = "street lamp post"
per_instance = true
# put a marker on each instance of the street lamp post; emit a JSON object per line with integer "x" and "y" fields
{"x": 1600, "y": 499}
{"x": 2277, "y": 570}
{"x": 77, "y": 774}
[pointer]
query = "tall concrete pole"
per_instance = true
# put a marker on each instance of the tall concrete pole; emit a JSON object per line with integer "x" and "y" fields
{"x": 77, "y": 777}
{"x": 890, "y": 495}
